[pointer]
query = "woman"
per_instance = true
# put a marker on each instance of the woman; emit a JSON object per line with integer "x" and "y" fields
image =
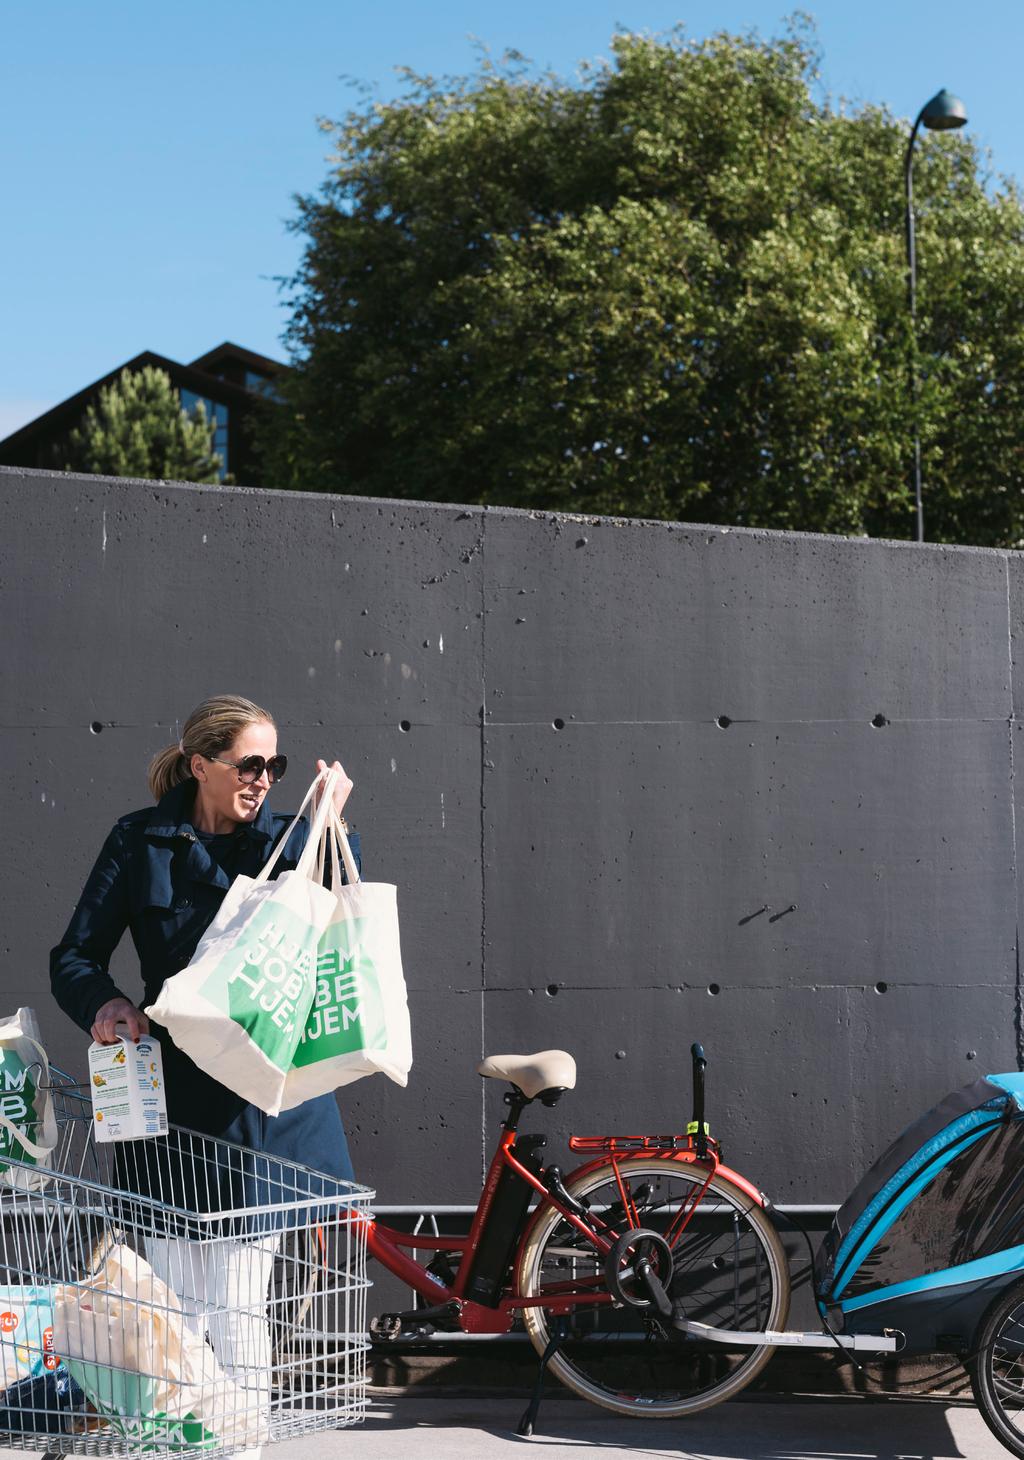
{"x": 162, "y": 873}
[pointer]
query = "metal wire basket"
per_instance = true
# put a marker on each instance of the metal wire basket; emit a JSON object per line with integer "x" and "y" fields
{"x": 176, "y": 1293}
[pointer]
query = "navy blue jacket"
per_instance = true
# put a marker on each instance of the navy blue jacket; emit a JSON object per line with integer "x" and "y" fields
{"x": 154, "y": 877}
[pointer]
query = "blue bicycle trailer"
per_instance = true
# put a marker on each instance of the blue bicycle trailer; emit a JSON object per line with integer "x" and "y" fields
{"x": 934, "y": 1233}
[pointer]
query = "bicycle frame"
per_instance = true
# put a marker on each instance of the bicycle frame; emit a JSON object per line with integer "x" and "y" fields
{"x": 386, "y": 1244}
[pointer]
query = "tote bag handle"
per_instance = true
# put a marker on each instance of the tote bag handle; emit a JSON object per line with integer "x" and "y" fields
{"x": 335, "y": 833}
{"x": 310, "y": 852}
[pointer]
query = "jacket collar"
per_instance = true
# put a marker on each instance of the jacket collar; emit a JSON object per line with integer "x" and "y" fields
{"x": 172, "y": 816}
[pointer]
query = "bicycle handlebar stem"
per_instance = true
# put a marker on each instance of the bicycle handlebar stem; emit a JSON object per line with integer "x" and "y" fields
{"x": 700, "y": 1064}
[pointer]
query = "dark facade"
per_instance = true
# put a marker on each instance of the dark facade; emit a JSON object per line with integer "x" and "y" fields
{"x": 638, "y": 784}
{"x": 229, "y": 380}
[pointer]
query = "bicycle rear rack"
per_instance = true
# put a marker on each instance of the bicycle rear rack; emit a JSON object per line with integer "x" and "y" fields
{"x": 599, "y": 1145}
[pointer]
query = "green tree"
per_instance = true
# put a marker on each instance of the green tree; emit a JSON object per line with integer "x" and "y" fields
{"x": 677, "y": 289}
{"x": 138, "y": 428}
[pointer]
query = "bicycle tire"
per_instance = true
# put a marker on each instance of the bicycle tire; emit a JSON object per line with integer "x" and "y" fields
{"x": 730, "y": 1271}
{"x": 996, "y": 1368}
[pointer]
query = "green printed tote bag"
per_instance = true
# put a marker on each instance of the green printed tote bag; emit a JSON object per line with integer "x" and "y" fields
{"x": 358, "y": 1022}
{"x": 28, "y": 1125}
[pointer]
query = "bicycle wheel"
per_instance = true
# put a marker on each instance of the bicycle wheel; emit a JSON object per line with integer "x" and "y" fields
{"x": 729, "y": 1271}
{"x": 997, "y": 1368}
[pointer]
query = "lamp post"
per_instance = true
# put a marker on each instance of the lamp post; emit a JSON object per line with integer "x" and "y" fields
{"x": 942, "y": 114}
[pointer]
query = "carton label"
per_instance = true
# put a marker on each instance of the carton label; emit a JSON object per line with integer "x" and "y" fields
{"x": 126, "y": 1081}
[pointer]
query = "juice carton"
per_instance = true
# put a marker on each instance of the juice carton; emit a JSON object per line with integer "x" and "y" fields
{"x": 126, "y": 1081}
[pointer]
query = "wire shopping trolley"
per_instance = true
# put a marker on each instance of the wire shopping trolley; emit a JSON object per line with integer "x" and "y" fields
{"x": 176, "y": 1293}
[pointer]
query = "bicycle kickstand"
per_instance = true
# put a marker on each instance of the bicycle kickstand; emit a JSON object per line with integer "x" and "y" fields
{"x": 529, "y": 1419}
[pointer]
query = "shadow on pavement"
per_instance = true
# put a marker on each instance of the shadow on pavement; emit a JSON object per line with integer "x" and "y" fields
{"x": 836, "y": 1430}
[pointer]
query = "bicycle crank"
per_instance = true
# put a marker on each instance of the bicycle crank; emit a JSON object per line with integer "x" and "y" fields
{"x": 415, "y": 1323}
{"x": 635, "y": 1267}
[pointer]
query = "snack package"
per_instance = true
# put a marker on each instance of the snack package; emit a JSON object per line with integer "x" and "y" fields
{"x": 26, "y": 1333}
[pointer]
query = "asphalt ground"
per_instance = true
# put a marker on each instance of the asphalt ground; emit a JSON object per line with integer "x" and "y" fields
{"x": 409, "y": 1426}
{"x": 482, "y": 1427}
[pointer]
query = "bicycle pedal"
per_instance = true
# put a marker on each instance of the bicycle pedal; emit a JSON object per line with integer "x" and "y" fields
{"x": 386, "y": 1327}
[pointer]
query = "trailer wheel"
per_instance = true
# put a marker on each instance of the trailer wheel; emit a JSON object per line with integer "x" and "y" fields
{"x": 997, "y": 1368}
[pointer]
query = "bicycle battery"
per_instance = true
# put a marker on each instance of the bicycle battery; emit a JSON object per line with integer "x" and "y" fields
{"x": 504, "y": 1223}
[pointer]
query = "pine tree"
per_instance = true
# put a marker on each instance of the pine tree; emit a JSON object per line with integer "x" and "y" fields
{"x": 139, "y": 428}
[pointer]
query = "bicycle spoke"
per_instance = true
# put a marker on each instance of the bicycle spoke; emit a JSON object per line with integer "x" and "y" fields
{"x": 727, "y": 1272}
{"x": 997, "y": 1369}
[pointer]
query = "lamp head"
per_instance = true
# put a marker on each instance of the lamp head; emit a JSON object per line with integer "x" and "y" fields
{"x": 944, "y": 112}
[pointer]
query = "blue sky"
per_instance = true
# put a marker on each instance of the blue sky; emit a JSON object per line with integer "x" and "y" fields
{"x": 150, "y": 153}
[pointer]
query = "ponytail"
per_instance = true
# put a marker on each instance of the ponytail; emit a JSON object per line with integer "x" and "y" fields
{"x": 168, "y": 768}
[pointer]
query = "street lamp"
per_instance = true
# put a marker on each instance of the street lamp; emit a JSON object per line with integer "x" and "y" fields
{"x": 943, "y": 113}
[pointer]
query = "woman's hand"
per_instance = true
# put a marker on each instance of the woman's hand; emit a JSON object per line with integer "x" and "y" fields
{"x": 342, "y": 788}
{"x": 118, "y": 1011}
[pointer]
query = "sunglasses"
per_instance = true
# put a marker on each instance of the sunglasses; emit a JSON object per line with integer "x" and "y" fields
{"x": 251, "y": 767}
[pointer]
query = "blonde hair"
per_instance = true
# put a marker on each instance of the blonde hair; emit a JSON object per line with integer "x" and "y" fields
{"x": 211, "y": 729}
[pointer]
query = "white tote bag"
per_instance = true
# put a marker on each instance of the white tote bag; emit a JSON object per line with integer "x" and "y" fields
{"x": 28, "y": 1125}
{"x": 359, "y": 1020}
{"x": 125, "y": 1339}
{"x": 241, "y": 1005}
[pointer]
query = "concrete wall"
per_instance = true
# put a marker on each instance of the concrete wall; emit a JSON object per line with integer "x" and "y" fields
{"x": 627, "y": 776}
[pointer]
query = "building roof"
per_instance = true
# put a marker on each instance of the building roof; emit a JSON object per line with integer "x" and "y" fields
{"x": 200, "y": 376}
{"x": 224, "y": 354}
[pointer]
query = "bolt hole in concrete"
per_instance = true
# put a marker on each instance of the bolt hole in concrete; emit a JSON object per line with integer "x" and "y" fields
{"x": 558, "y": 724}
{"x": 714, "y": 988}
{"x": 552, "y": 990}
{"x": 405, "y": 726}
{"x": 881, "y": 988}
{"x": 879, "y": 721}
{"x": 96, "y": 727}
{"x": 723, "y": 722}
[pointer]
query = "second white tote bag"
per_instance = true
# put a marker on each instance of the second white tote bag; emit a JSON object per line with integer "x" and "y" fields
{"x": 241, "y": 1005}
{"x": 358, "y": 1022}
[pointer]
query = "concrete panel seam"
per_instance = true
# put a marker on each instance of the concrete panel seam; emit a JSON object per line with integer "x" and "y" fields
{"x": 579, "y": 724}
{"x": 815, "y": 987}
{"x": 1018, "y": 999}
{"x": 483, "y": 837}
{"x": 383, "y": 723}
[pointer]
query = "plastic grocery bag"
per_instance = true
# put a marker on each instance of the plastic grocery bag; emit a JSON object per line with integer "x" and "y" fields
{"x": 124, "y": 1338}
{"x": 240, "y": 1006}
{"x": 28, "y": 1125}
{"x": 359, "y": 1020}
{"x": 26, "y": 1333}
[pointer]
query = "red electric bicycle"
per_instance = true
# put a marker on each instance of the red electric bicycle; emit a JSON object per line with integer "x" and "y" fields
{"x": 648, "y": 1279}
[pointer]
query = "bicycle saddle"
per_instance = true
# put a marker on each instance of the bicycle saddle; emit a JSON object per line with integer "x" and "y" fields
{"x": 551, "y": 1069}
